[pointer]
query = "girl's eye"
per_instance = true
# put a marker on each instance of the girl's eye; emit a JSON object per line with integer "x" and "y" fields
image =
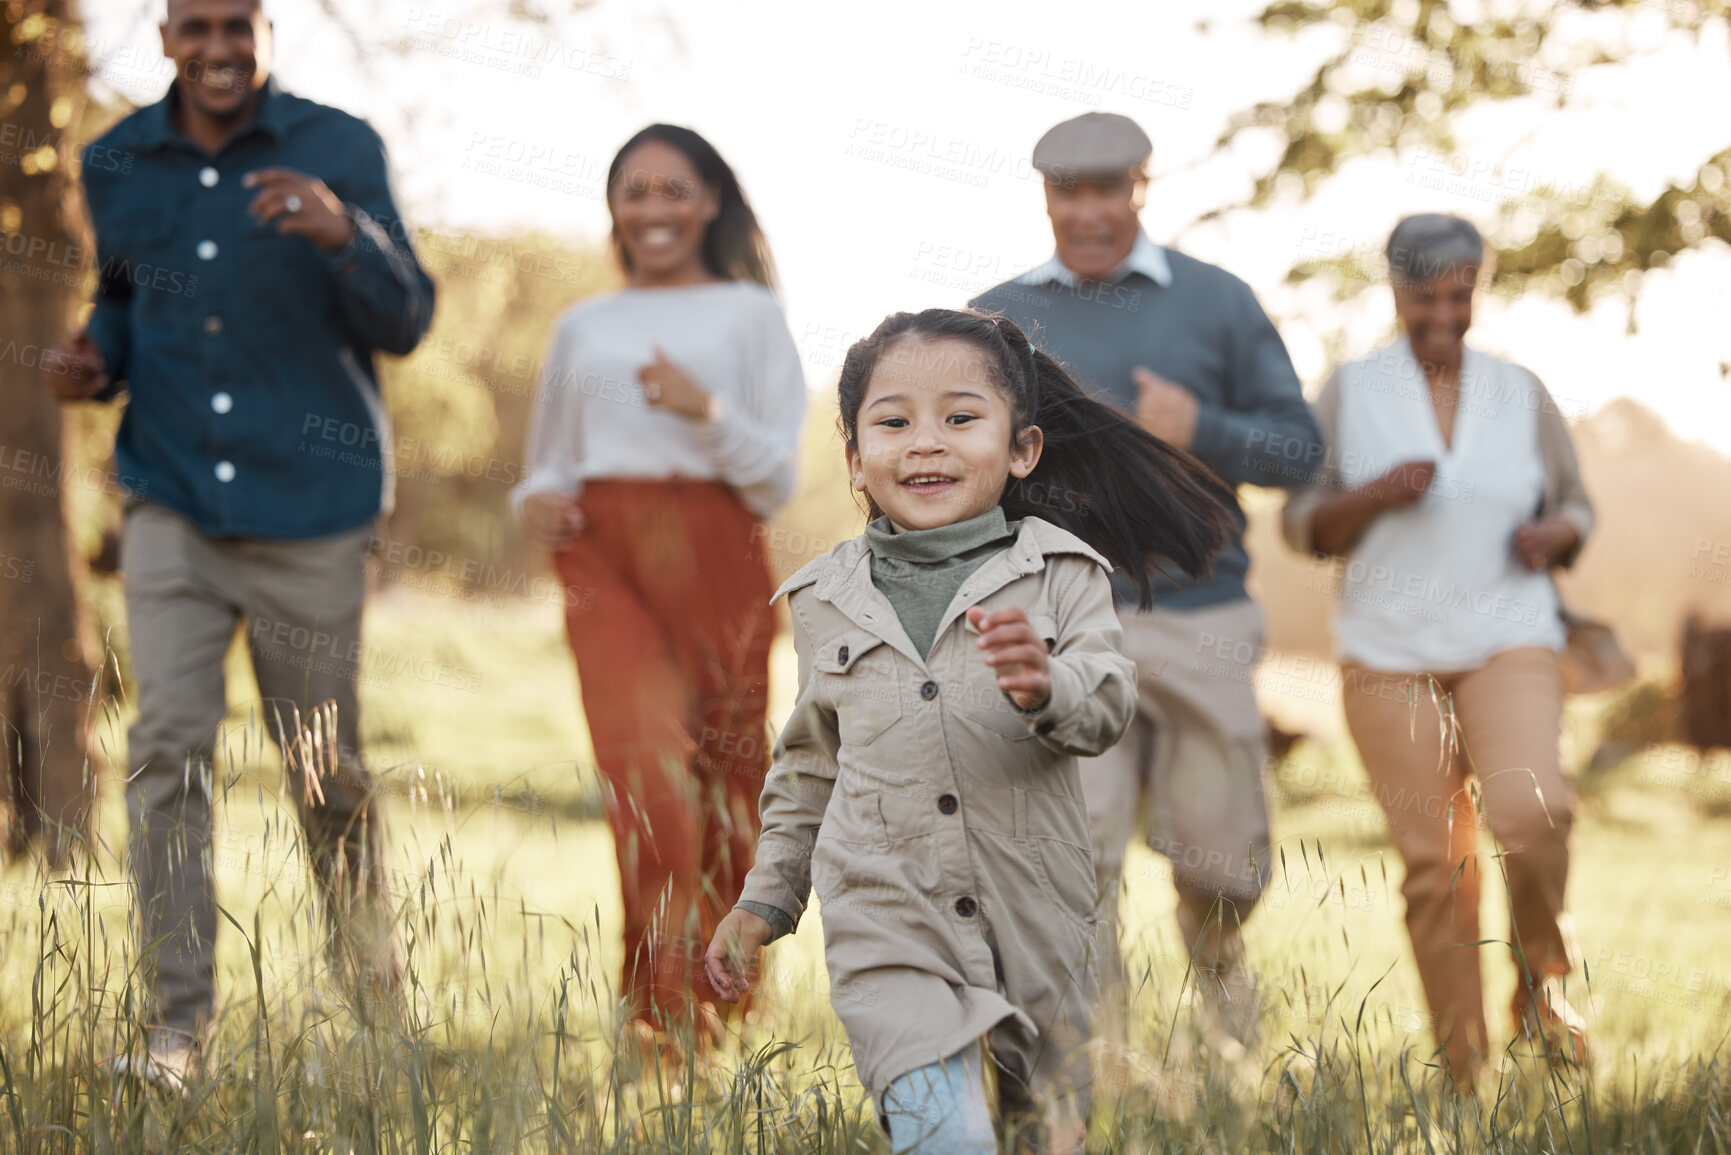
{"x": 894, "y": 422}
{"x": 961, "y": 418}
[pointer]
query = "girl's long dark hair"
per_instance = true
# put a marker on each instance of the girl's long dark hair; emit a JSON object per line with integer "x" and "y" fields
{"x": 1139, "y": 501}
{"x": 734, "y": 247}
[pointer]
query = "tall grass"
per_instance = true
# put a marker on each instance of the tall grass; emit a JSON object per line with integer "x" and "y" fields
{"x": 508, "y": 1035}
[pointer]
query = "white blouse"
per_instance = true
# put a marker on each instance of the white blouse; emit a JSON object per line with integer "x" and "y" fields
{"x": 1436, "y": 586}
{"x": 591, "y": 419}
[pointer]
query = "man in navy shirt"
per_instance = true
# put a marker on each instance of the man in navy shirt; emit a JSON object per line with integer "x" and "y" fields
{"x": 252, "y": 261}
{"x": 1185, "y": 347}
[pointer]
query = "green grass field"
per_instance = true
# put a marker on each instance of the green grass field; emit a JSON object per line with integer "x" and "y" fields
{"x": 510, "y": 916}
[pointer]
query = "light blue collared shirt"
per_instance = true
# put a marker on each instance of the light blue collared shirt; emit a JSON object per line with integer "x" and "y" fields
{"x": 1145, "y": 257}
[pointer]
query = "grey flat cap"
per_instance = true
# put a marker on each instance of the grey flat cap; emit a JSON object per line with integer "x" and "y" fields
{"x": 1095, "y": 144}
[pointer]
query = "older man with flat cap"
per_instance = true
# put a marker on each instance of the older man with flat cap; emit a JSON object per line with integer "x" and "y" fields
{"x": 1185, "y": 347}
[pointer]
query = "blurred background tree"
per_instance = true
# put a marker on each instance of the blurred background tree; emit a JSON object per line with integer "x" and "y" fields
{"x": 46, "y": 645}
{"x": 1405, "y": 71}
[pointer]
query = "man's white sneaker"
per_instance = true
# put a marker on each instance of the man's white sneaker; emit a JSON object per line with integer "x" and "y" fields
{"x": 168, "y": 1067}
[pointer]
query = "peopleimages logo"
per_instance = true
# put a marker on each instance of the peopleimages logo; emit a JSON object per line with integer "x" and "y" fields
{"x": 505, "y": 46}
{"x": 1072, "y": 78}
{"x": 936, "y": 154}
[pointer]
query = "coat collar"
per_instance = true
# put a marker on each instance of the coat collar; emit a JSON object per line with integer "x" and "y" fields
{"x": 154, "y": 127}
{"x": 1145, "y": 257}
{"x": 842, "y": 577}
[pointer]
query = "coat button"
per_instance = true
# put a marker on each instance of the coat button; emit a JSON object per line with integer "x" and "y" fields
{"x": 929, "y": 691}
{"x": 1045, "y": 727}
{"x": 947, "y": 804}
{"x": 841, "y": 655}
{"x": 967, "y": 907}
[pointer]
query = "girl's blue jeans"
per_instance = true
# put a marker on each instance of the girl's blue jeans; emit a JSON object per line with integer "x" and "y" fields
{"x": 942, "y": 1108}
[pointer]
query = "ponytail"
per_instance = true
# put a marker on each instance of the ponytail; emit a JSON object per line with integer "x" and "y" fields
{"x": 1145, "y": 505}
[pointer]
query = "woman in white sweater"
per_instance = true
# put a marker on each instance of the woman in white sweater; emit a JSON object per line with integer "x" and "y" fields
{"x": 1450, "y": 489}
{"x": 667, "y": 429}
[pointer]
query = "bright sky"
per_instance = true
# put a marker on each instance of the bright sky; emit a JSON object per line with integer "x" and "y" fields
{"x": 885, "y": 149}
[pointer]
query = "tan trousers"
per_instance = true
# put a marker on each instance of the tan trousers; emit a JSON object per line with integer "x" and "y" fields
{"x": 1498, "y": 724}
{"x": 1187, "y": 775}
{"x": 185, "y": 593}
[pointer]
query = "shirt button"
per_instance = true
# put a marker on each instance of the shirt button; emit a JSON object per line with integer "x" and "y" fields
{"x": 225, "y": 471}
{"x": 841, "y": 655}
{"x": 222, "y": 403}
{"x": 967, "y": 907}
{"x": 207, "y": 177}
{"x": 947, "y": 804}
{"x": 213, "y": 324}
{"x": 206, "y": 250}
{"x": 929, "y": 691}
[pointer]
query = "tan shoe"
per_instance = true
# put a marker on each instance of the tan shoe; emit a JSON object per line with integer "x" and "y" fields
{"x": 1552, "y": 1027}
{"x": 1228, "y": 1008}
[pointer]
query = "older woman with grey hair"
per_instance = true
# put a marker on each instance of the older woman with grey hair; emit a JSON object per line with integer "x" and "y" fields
{"x": 1450, "y": 490}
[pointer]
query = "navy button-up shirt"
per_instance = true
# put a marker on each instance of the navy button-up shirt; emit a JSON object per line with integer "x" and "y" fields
{"x": 254, "y": 407}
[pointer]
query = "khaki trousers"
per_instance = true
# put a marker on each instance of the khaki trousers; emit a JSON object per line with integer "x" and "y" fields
{"x": 1421, "y": 737}
{"x": 1188, "y": 775}
{"x": 185, "y": 593}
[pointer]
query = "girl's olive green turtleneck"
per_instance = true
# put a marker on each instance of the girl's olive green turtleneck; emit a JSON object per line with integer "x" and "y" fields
{"x": 920, "y": 570}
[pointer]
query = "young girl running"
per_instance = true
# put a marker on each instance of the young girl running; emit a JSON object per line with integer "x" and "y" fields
{"x": 954, "y": 661}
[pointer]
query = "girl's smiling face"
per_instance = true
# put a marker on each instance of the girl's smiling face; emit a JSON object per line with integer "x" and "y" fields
{"x": 934, "y": 444}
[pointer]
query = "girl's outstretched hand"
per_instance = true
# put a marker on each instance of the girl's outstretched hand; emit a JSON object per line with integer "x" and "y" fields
{"x": 732, "y": 956}
{"x": 1017, "y": 653}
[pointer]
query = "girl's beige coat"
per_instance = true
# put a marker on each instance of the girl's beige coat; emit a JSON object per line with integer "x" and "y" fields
{"x": 944, "y": 830}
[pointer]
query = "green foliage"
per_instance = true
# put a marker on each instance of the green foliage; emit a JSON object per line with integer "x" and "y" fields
{"x": 1644, "y": 714}
{"x": 1404, "y": 70}
{"x": 1604, "y": 240}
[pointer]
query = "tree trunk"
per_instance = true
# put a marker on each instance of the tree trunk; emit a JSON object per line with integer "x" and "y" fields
{"x": 45, "y": 674}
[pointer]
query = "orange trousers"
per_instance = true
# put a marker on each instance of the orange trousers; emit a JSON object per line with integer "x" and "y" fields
{"x": 1420, "y": 738}
{"x": 669, "y": 619}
